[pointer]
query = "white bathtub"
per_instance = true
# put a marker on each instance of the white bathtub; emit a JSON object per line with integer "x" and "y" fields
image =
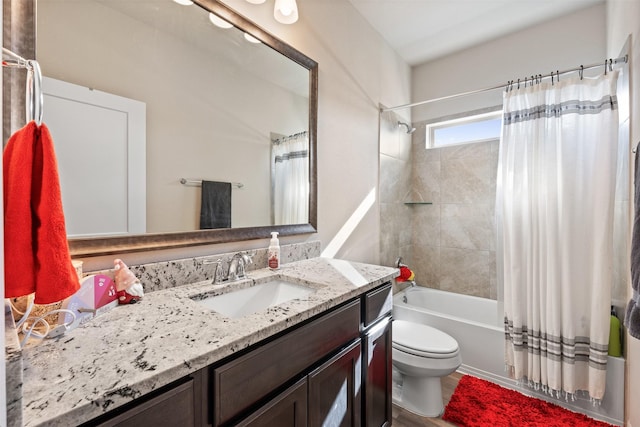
{"x": 477, "y": 325}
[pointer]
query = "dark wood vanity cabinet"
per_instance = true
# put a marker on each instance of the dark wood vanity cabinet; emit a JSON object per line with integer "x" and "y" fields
{"x": 351, "y": 386}
{"x": 334, "y": 369}
{"x": 335, "y": 390}
{"x": 288, "y": 409}
{"x": 376, "y": 357}
{"x": 248, "y": 380}
{"x": 178, "y": 404}
{"x": 377, "y": 374}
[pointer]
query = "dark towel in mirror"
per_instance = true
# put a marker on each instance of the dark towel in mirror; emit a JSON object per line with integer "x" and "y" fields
{"x": 215, "y": 210}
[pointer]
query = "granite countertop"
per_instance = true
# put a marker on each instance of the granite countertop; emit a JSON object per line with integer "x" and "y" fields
{"x": 134, "y": 349}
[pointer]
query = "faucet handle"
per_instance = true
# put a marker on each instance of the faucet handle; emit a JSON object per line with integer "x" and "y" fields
{"x": 248, "y": 259}
{"x": 217, "y": 274}
{"x": 244, "y": 259}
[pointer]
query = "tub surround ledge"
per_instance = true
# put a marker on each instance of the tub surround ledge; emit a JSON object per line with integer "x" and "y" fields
{"x": 134, "y": 349}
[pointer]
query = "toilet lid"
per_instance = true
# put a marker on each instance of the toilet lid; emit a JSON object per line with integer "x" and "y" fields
{"x": 422, "y": 338}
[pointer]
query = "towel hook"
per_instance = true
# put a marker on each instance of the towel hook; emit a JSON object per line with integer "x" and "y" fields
{"x": 33, "y": 92}
{"x": 34, "y": 99}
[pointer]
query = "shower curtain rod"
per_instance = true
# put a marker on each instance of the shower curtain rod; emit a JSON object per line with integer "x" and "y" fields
{"x": 607, "y": 63}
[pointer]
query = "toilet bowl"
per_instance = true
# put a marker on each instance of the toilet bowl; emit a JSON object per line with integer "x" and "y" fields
{"x": 422, "y": 355}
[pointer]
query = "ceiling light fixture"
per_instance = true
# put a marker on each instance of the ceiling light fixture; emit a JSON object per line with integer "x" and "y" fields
{"x": 219, "y": 22}
{"x": 184, "y": 2}
{"x": 256, "y": 1}
{"x": 286, "y": 11}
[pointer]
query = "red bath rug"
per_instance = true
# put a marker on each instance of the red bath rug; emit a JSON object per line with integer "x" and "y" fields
{"x": 478, "y": 403}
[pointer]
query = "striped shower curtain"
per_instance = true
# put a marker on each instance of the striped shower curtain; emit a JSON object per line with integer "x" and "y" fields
{"x": 554, "y": 211}
{"x": 290, "y": 157}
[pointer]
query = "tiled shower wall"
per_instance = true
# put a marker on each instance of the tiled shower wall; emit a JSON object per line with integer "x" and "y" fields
{"x": 395, "y": 183}
{"x": 453, "y": 239}
{"x": 449, "y": 244}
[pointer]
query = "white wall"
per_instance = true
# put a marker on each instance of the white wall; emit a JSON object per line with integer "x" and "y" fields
{"x": 623, "y": 19}
{"x": 558, "y": 44}
{"x": 357, "y": 71}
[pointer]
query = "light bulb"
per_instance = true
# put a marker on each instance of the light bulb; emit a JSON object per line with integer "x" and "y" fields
{"x": 184, "y": 2}
{"x": 286, "y": 11}
{"x": 219, "y": 22}
{"x": 251, "y": 39}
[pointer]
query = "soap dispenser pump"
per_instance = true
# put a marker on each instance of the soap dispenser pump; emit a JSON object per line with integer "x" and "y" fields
{"x": 273, "y": 253}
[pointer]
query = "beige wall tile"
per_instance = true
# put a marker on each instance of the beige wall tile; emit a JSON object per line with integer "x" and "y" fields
{"x": 467, "y": 226}
{"x": 425, "y": 263}
{"x": 465, "y": 271}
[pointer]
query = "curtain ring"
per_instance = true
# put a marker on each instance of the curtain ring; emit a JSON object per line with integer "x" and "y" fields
{"x": 518, "y": 83}
{"x": 605, "y": 67}
{"x": 581, "y": 72}
{"x": 610, "y": 64}
{"x": 558, "y": 75}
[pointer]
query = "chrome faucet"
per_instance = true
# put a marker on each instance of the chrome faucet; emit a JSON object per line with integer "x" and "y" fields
{"x": 217, "y": 274}
{"x": 238, "y": 265}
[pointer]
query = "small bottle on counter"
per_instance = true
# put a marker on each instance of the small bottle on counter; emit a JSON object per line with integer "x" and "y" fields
{"x": 273, "y": 253}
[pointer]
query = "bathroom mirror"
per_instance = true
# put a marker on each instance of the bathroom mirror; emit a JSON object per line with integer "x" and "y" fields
{"x": 225, "y": 100}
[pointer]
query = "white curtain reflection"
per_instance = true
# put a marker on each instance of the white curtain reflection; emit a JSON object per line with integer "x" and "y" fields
{"x": 290, "y": 163}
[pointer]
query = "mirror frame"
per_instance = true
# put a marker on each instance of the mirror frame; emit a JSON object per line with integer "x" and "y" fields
{"x": 154, "y": 241}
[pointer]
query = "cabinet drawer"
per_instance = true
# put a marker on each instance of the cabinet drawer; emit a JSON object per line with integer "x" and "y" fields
{"x": 377, "y": 303}
{"x": 244, "y": 381}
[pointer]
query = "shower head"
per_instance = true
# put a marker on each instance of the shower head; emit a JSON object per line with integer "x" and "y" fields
{"x": 409, "y": 128}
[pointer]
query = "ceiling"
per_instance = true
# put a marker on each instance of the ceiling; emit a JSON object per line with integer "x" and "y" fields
{"x": 422, "y": 30}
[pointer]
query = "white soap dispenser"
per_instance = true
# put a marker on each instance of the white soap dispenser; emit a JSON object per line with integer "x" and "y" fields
{"x": 273, "y": 253}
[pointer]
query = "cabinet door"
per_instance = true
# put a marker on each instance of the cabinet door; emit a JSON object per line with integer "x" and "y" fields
{"x": 335, "y": 390}
{"x": 175, "y": 407}
{"x": 377, "y": 374}
{"x": 289, "y": 409}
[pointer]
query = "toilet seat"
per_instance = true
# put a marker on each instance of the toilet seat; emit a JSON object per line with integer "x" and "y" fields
{"x": 422, "y": 340}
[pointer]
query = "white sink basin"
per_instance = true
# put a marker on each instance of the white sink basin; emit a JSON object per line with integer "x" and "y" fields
{"x": 256, "y": 298}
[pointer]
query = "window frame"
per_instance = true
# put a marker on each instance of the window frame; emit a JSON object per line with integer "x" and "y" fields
{"x": 458, "y": 120}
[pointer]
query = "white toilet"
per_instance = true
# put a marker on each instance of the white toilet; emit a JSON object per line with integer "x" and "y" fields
{"x": 422, "y": 355}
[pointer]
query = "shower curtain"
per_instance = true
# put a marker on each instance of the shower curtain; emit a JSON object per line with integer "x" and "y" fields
{"x": 554, "y": 211}
{"x": 290, "y": 162}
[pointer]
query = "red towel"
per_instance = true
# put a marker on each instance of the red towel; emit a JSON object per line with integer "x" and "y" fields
{"x": 36, "y": 257}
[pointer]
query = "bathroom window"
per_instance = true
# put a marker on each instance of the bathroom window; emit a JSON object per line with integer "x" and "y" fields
{"x": 464, "y": 130}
